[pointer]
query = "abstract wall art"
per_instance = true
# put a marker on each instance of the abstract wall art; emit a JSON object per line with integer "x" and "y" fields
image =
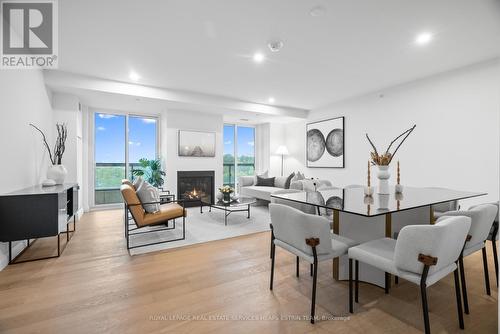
{"x": 325, "y": 143}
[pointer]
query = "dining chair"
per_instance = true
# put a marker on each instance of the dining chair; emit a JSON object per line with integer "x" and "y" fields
{"x": 493, "y": 237}
{"x": 422, "y": 254}
{"x": 307, "y": 237}
{"x": 482, "y": 218}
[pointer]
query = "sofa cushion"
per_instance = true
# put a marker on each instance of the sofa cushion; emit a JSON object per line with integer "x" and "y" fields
{"x": 259, "y": 192}
{"x": 280, "y": 181}
{"x": 265, "y": 182}
{"x": 167, "y": 212}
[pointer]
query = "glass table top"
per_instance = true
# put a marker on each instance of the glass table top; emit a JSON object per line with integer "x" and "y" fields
{"x": 353, "y": 200}
{"x": 238, "y": 202}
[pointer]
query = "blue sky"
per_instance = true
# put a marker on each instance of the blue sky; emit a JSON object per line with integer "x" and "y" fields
{"x": 110, "y": 138}
{"x": 246, "y": 140}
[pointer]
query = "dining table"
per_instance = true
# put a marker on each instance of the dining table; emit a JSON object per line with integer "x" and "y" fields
{"x": 363, "y": 218}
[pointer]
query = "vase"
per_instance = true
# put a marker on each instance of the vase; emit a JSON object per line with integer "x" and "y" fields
{"x": 383, "y": 179}
{"x": 57, "y": 173}
{"x": 227, "y": 197}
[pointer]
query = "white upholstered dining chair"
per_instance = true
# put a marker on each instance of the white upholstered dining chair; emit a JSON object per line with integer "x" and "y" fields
{"x": 482, "y": 218}
{"x": 307, "y": 237}
{"x": 422, "y": 254}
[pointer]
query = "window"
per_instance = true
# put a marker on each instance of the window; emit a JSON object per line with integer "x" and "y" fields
{"x": 113, "y": 158}
{"x": 239, "y": 152}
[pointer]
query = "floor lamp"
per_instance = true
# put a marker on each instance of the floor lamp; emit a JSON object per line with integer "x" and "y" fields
{"x": 282, "y": 150}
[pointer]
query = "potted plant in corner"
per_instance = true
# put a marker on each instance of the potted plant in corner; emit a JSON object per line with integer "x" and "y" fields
{"x": 151, "y": 171}
{"x": 56, "y": 171}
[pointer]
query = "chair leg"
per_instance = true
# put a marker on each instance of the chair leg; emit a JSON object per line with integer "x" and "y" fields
{"x": 273, "y": 254}
{"x": 313, "y": 301}
{"x": 311, "y": 269}
{"x": 387, "y": 282}
{"x": 297, "y": 268}
{"x": 459, "y": 300}
{"x": 356, "y": 281}
{"x": 350, "y": 287}
{"x": 495, "y": 256}
{"x": 425, "y": 308}
{"x": 396, "y": 280}
{"x": 464, "y": 285}
{"x": 486, "y": 273}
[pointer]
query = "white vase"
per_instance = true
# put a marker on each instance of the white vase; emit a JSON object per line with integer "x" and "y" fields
{"x": 57, "y": 173}
{"x": 383, "y": 179}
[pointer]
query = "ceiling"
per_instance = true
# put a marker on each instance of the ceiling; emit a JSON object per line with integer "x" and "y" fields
{"x": 356, "y": 47}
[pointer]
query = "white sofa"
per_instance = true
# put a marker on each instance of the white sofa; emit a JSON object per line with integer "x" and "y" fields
{"x": 247, "y": 187}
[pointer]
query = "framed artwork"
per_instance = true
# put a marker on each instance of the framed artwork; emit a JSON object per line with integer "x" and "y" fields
{"x": 325, "y": 143}
{"x": 196, "y": 144}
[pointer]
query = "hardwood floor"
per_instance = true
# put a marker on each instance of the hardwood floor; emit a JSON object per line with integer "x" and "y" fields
{"x": 96, "y": 287}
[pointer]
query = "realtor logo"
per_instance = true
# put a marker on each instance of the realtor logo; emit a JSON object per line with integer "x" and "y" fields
{"x": 29, "y": 34}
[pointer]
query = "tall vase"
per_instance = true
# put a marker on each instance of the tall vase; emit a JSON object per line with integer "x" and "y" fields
{"x": 57, "y": 173}
{"x": 383, "y": 180}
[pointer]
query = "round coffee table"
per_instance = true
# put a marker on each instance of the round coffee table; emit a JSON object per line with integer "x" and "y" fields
{"x": 240, "y": 205}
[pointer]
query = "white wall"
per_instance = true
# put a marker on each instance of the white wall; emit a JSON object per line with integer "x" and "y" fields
{"x": 188, "y": 120}
{"x": 455, "y": 144}
{"x": 23, "y": 100}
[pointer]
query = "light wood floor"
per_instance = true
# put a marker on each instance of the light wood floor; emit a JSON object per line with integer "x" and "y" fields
{"x": 96, "y": 287}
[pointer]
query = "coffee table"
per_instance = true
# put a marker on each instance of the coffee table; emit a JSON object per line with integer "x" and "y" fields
{"x": 240, "y": 205}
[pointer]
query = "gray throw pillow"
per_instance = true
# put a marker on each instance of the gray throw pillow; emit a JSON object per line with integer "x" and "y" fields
{"x": 264, "y": 175}
{"x": 246, "y": 181}
{"x": 289, "y": 180}
{"x": 280, "y": 181}
{"x": 148, "y": 194}
{"x": 269, "y": 182}
{"x": 138, "y": 182}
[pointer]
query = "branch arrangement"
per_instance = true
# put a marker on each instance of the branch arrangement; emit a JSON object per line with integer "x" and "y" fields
{"x": 60, "y": 145}
{"x": 386, "y": 158}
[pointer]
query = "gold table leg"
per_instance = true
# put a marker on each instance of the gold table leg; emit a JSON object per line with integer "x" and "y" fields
{"x": 431, "y": 212}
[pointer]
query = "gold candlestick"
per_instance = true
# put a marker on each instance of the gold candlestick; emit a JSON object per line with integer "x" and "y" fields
{"x": 368, "y": 174}
{"x": 399, "y": 174}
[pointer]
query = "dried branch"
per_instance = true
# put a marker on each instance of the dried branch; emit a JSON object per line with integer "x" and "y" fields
{"x": 395, "y": 139}
{"x": 45, "y": 143}
{"x": 371, "y": 143}
{"x": 397, "y": 148}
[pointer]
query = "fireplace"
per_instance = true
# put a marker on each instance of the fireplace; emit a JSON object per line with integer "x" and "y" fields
{"x": 193, "y": 186}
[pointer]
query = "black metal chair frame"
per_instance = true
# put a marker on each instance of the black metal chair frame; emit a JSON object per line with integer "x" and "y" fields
{"x": 154, "y": 230}
{"x": 312, "y": 242}
{"x": 428, "y": 261}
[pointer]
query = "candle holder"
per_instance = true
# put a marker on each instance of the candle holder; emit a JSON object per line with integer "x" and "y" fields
{"x": 368, "y": 191}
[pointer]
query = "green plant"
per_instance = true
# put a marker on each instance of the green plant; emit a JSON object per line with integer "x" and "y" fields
{"x": 151, "y": 171}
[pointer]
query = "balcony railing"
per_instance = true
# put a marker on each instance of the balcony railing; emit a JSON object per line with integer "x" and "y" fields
{"x": 108, "y": 177}
{"x": 230, "y": 173}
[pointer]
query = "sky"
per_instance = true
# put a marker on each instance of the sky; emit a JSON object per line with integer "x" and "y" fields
{"x": 245, "y": 140}
{"x": 110, "y": 138}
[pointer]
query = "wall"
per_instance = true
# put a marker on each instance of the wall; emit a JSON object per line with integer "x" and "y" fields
{"x": 23, "y": 100}
{"x": 188, "y": 120}
{"x": 455, "y": 144}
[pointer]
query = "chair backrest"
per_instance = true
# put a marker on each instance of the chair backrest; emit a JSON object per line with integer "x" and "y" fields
{"x": 482, "y": 217}
{"x": 444, "y": 240}
{"x": 134, "y": 204}
{"x": 306, "y": 208}
{"x": 293, "y": 227}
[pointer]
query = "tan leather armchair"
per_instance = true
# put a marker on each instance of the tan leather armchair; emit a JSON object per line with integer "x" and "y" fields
{"x": 168, "y": 212}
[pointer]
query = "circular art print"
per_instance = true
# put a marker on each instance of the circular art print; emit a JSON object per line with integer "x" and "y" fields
{"x": 335, "y": 142}
{"x": 315, "y": 145}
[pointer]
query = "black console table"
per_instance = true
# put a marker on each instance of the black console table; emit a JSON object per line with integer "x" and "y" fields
{"x": 38, "y": 212}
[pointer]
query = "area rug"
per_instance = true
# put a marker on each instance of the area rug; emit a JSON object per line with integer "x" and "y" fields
{"x": 204, "y": 227}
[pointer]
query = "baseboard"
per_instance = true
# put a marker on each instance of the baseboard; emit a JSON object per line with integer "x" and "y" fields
{"x": 16, "y": 249}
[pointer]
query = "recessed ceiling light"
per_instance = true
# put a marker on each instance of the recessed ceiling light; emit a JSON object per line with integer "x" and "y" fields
{"x": 258, "y": 57}
{"x": 244, "y": 119}
{"x": 134, "y": 76}
{"x": 271, "y": 100}
{"x": 275, "y": 45}
{"x": 423, "y": 38}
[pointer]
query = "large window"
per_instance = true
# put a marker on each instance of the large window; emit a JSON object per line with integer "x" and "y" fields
{"x": 239, "y": 152}
{"x": 114, "y": 158}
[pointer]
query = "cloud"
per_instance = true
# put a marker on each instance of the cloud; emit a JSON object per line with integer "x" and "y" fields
{"x": 134, "y": 143}
{"x": 251, "y": 143}
{"x": 149, "y": 120}
{"x": 101, "y": 128}
{"x": 106, "y": 116}
{"x": 228, "y": 142}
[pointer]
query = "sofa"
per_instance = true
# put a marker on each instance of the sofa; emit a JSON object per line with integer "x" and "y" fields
{"x": 247, "y": 186}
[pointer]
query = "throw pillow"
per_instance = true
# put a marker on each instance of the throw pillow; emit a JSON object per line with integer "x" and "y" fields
{"x": 138, "y": 182}
{"x": 148, "y": 194}
{"x": 280, "y": 181}
{"x": 246, "y": 181}
{"x": 264, "y": 175}
{"x": 265, "y": 182}
{"x": 289, "y": 180}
